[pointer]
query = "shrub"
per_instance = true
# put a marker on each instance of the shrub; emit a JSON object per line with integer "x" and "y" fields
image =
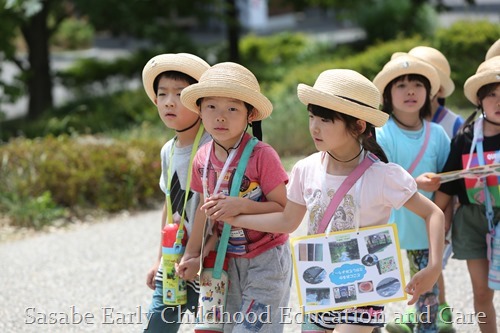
{"x": 89, "y": 115}
{"x": 73, "y": 34}
{"x": 384, "y": 20}
{"x": 289, "y": 122}
{"x": 465, "y": 44}
{"x": 269, "y": 57}
{"x": 78, "y": 172}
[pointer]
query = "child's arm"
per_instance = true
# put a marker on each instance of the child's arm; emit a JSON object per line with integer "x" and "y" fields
{"x": 220, "y": 207}
{"x": 443, "y": 201}
{"x": 193, "y": 246}
{"x": 191, "y": 266}
{"x": 424, "y": 280}
{"x": 150, "y": 277}
{"x": 428, "y": 182}
{"x": 279, "y": 222}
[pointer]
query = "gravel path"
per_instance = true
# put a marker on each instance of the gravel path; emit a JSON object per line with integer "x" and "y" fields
{"x": 97, "y": 271}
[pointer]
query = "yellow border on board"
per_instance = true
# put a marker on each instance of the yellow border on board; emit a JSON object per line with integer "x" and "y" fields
{"x": 294, "y": 240}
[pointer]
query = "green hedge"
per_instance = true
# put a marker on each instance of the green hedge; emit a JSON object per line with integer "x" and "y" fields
{"x": 287, "y": 129}
{"x": 45, "y": 178}
{"x": 83, "y": 172}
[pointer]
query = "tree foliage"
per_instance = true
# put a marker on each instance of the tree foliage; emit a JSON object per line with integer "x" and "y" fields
{"x": 35, "y": 21}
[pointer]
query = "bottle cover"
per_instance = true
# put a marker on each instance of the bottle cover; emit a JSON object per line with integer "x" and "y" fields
{"x": 174, "y": 288}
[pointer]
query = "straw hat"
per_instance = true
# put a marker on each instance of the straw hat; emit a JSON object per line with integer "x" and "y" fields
{"x": 440, "y": 63}
{"x": 181, "y": 62}
{"x": 494, "y": 50}
{"x": 403, "y": 65}
{"x": 230, "y": 80}
{"x": 488, "y": 72}
{"x": 397, "y": 54}
{"x": 346, "y": 91}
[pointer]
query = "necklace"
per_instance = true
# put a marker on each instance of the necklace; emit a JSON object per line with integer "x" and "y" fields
{"x": 491, "y": 122}
{"x": 352, "y": 159}
{"x": 407, "y": 126}
{"x": 189, "y": 127}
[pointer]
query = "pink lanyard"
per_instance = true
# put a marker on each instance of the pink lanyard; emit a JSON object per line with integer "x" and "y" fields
{"x": 427, "y": 130}
{"x": 344, "y": 188}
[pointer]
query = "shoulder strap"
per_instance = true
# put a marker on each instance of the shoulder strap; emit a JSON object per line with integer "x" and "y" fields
{"x": 234, "y": 192}
{"x": 422, "y": 150}
{"x": 344, "y": 188}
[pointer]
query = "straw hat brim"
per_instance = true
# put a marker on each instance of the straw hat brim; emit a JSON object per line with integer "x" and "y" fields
{"x": 181, "y": 62}
{"x": 475, "y": 82}
{"x": 308, "y": 95}
{"x": 493, "y": 51}
{"x": 191, "y": 94}
{"x": 396, "y": 68}
{"x": 436, "y": 59}
{"x": 446, "y": 83}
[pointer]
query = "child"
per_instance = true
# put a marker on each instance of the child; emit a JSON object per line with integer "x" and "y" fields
{"x": 343, "y": 108}
{"x": 450, "y": 122}
{"x": 408, "y": 85}
{"x": 164, "y": 77}
{"x": 470, "y": 224}
{"x": 441, "y": 115}
{"x": 228, "y": 98}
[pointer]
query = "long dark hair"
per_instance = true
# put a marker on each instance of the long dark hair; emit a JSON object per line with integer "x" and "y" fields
{"x": 426, "y": 109}
{"x": 367, "y": 137}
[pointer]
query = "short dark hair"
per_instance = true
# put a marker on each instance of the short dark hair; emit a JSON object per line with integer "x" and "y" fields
{"x": 248, "y": 106}
{"x": 174, "y": 75}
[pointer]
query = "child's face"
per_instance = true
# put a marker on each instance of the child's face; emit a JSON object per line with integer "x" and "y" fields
{"x": 170, "y": 109}
{"x": 225, "y": 119}
{"x": 408, "y": 96}
{"x": 491, "y": 105}
{"x": 329, "y": 135}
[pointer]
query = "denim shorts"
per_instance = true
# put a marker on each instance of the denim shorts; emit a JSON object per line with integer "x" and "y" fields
{"x": 166, "y": 318}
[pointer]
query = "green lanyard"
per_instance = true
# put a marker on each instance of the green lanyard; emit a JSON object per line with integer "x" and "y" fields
{"x": 170, "y": 217}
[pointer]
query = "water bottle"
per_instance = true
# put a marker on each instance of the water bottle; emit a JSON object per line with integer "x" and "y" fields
{"x": 493, "y": 239}
{"x": 174, "y": 288}
{"x": 213, "y": 295}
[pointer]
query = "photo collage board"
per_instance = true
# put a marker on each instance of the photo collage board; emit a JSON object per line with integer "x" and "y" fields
{"x": 348, "y": 269}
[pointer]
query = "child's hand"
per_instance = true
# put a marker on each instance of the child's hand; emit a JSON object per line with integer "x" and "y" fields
{"x": 422, "y": 282}
{"x": 219, "y": 207}
{"x": 188, "y": 267}
{"x": 429, "y": 182}
{"x": 150, "y": 277}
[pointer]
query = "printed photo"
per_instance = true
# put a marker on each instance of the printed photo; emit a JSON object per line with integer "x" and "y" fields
{"x": 386, "y": 265}
{"x": 317, "y": 296}
{"x": 369, "y": 260}
{"x": 365, "y": 286}
{"x": 314, "y": 275}
{"x": 344, "y": 251}
{"x": 345, "y": 293}
{"x": 388, "y": 287}
{"x": 311, "y": 252}
{"x": 378, "y": 242}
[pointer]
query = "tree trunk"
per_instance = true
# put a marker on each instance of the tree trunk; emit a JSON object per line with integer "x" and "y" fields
{"x": 233, "y": 30}
{"x": 38, "y": 80}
